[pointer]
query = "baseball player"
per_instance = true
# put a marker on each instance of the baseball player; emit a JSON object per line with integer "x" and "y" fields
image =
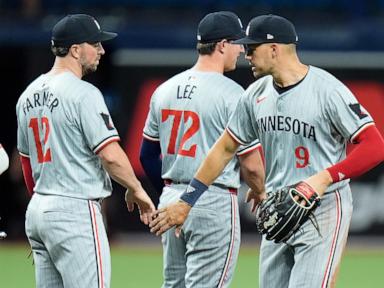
{"x": 304, "y": 118}
{"x": 4, "y": 160}
{"x": 187, "y": 115}
{"x": 4, "y": 163}
{"x": 68, "y": 146}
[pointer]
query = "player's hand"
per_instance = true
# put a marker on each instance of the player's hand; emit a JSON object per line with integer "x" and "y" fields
{"x": 170, "y": 216}
{"x": 255, "y": 198}
{"x": 144, "y": 203}
{"x": 320, "y": 182}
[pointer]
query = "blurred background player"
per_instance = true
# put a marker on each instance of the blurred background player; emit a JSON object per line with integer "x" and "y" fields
{"x": 304, "y": 118}
{"x": 187, "y": 115}
{"x": 4, "y": 159}
{"x": 4, "y": 163}
{"x": 68, "y": 146}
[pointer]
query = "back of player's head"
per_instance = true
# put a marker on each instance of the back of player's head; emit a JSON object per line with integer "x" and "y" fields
{"x": 77, "y": 29}
{"x": 217, "y": 26}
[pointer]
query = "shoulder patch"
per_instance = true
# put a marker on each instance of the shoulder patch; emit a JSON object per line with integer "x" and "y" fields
{"x": 356, "y": 108}
{"x": 107, "y": 121}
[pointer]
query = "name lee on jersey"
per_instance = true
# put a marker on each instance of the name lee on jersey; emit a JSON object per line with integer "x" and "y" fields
{"x": 288, "y": 124}
{"x": 185, "y": 92}
{"x": 40, "y": 99}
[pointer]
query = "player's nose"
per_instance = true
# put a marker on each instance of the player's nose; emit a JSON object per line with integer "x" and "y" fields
{"x": 101, "y": 50}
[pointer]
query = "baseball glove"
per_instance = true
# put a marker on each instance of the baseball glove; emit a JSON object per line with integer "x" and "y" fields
{"x": 285, "y": 210}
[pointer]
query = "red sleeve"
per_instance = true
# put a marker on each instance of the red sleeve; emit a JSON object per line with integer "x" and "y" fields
{"x": 368, "y": 153}
{"x": 27, "y": 171}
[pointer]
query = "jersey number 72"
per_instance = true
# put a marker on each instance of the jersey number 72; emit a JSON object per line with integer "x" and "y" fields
{"x": 195, "y": 126}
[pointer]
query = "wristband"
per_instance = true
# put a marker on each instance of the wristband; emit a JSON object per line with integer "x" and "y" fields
{"x": 193, "y": 192}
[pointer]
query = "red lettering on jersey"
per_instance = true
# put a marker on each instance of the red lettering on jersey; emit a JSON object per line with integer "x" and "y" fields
{"x": 34, "y": 124}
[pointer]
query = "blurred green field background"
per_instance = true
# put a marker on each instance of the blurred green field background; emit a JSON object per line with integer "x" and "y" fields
{"x": 140, "y": 267}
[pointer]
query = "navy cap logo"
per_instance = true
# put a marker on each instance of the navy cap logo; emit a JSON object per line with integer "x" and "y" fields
{"x": 97, "y": 24}
{"x": 241, "y": 24}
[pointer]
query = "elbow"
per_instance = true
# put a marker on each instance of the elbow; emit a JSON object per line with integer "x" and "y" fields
{"x": 4, "y": 161}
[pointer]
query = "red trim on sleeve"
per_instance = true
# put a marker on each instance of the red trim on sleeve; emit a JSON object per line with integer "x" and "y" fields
{"x": 109, "y": 141}
{"x": 368, "y": 153}
{"x": 248, "y": 150}
{"x": 27, "y": 172}
{"x": 233, "y": 136}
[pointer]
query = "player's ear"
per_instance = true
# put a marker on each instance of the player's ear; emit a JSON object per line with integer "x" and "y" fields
{"x": 220, "y": 46}
{"x": 274, "y": 50}
{"x": 75, "y": 51}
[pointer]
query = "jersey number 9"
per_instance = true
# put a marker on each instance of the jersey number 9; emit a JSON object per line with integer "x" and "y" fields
{"x": 302, "y": 157}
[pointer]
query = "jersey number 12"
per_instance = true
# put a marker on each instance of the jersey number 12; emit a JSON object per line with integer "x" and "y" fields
{"x": 34, "y": 124}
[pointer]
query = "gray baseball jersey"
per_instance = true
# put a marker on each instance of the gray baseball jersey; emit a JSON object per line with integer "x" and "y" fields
{"x": 187, "y": 115}
{"x": 62, "y": 123}
{"x": 303, "y": 130}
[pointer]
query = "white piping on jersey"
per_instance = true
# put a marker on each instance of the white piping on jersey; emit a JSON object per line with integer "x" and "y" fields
{"x": 99, "y": 147}
{"x": 235, "y": 137}
{"x": 229, "y": 259}
{"x": 150, "y": 138}
{"x": 248, "y": 149}
{"x": 365, "y": 126}
{"x": 328, "y": 270}
{"x": 96, "y": 238}
{"x": 23, "y": 154}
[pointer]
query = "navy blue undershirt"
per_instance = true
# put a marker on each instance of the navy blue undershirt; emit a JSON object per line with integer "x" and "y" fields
{"x": 150, "y": 158}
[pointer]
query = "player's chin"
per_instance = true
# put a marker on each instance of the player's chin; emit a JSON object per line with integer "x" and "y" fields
{"x": 230, "y": 67}
{"x": 89, "y": 69}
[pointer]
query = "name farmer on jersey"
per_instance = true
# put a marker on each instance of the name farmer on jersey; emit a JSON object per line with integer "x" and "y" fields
{"x": 45, "y": 98}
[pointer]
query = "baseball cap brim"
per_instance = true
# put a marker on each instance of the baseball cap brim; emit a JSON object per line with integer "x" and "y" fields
{"x": 102, "y": 36}
{"x": 247, "y": 40}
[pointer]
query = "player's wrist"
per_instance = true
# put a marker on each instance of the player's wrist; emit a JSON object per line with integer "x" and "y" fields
{"x": 193, "y": 192}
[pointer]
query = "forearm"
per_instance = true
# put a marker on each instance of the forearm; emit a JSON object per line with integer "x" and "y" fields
{"x": 117, "y": 164}
{"x": 27, "y": 173}
{"x": 369, "y": 152}
{"x": 218, "y": 157}
{"x": 253, "y": 171}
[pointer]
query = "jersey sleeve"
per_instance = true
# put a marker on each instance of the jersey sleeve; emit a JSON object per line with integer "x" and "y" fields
{"x": 151, "y": 128}
{"x": 233, "y": 99}
{"x": 346, "y": 113}
{"x": 96, "y": 122}
{"x": 22, "y": 135}
{"x": 241, "y": 125}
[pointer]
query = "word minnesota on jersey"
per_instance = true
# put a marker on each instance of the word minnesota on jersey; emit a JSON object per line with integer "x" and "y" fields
{"x": 287, "y": 124}
{"x": 45, "y": 98}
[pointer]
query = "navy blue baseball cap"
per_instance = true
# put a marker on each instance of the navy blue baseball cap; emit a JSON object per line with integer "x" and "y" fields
{"x": 77, "y": 29}
{"x": 269, "y": 29}
{"x": 220, "y": 25}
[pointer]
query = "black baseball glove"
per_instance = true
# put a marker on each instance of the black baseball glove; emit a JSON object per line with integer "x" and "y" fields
{"x": 285, "y": 210}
